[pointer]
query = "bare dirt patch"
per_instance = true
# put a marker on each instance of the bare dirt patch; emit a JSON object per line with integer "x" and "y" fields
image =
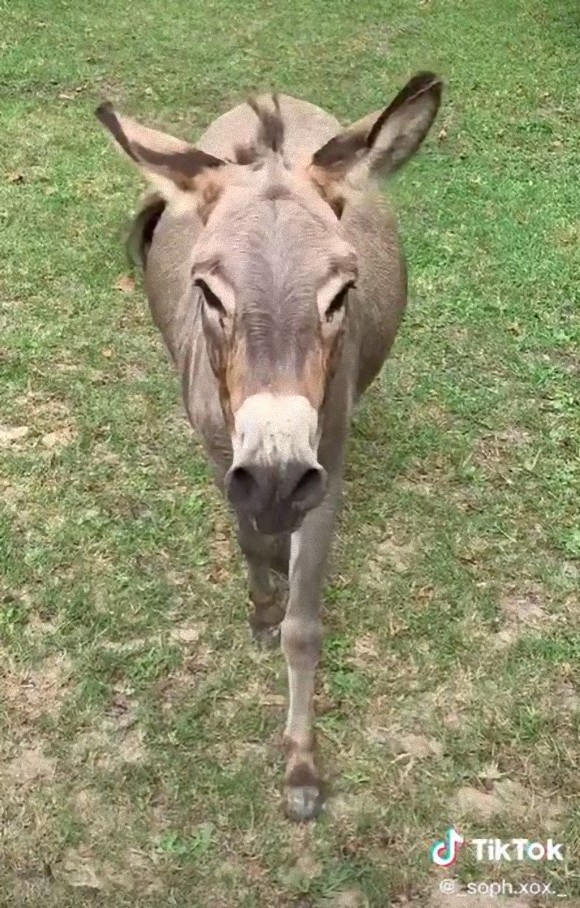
{"x": 30, "y": 764}
{"x": 94, "y": 748}
{"x": 450, "y": 702}
{"x": 498, "y": 454}
{"x": 366, "y": 651}
{"x": 394, "y": 555}
{"x": 82, "y": 869}
{"x": 42, "y": 411}
{"x": 176, "y": 687}
{"x": 255, "y": 693}
{"x": 447, "y": 705}
{"x": 495, "y": 445}
{"x": 10, "y": 435}
{"x": 307, "y": 866}
{"x": 38, "y": 628}
{"x": 58, "y": 438}
{"x": 106, "y": 747}
{"x": 88, "y": 803}
{"x": 507, "y": 797}
{"x": 132, "y": 748}
{"x": 223, "y": 550}
{"x": 144, "y": 870}
{"x": 185, "y": 633}
{"x": 388, "y": 556}
{"x": 417, "y": 481}
{"x": 34, "y": 692}
{"x": 401, "y": 743}
{"x": 114, "y": 740}
{"x": 102, "y": 818}
{"x": 352, "y": 805}
{"x": 566, "y": 698}
{"x": 463, "y": 899}
{"x": 348, "y": 898}
{"x": 522, "y": 612}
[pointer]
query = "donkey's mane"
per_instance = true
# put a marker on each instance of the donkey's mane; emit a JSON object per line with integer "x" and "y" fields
{"x": 269, "y": 139}
{"x": 269, "y": 136}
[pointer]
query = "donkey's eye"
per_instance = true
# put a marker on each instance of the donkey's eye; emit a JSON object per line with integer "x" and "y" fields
{"x": 211, "y": 300}
{"x": 338, "y": 302}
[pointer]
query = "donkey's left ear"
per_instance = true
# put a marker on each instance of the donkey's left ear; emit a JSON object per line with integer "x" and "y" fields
{"x": 382, "y": 142}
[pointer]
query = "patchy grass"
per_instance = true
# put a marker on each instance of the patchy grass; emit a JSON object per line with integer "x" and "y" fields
{"x": 139, "y": 727}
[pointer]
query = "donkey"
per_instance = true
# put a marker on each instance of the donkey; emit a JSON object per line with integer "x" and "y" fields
{"x": 274, "y": 272}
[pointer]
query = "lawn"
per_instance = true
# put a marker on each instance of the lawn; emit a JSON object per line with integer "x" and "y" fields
{"x": 139, "y": 726}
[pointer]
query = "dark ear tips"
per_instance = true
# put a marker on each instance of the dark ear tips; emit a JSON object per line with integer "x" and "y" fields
{"x": 106, "y": 115}
{"x": 425, "y": 79}
{"x": 104, "y": 110}
{"x": 337, "y": 204}
{"x": 418, "y": 85}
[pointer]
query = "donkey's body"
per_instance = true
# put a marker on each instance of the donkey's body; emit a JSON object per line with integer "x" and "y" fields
{"x": 271, "y": 358}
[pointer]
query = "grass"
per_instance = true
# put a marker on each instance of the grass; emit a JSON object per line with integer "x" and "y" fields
{"x": 139, "y": 726}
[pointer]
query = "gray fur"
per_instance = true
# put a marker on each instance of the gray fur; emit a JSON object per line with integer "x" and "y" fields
{"x": 273, "y": 239}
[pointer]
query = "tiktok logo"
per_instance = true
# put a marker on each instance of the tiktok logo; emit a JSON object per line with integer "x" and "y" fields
{"x": 445, "y": 853}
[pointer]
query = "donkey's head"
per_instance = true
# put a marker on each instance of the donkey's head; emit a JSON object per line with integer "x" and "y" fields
{"x": 271, "y": 269}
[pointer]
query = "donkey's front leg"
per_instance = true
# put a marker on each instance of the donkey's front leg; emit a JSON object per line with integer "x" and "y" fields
{"x": 301, "y": 644}
{"x": 262, "y": 554}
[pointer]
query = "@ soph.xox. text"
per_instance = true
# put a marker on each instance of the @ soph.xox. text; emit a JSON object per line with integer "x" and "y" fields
{"x": 445, "y": 852}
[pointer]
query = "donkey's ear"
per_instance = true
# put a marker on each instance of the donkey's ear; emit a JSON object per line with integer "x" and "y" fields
{"x": 170, "y": 164}
{"x": 382, "y": 142}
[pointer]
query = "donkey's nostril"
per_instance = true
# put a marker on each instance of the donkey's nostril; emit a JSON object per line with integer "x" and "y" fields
{"x": 241, "y": 485}
{"x": 307, "y": 487}
{"x": 306, "y": 484}
{"x": 256, "y": 488}
{"x": 251, "y": 488}
{"x": 243, "y": 479}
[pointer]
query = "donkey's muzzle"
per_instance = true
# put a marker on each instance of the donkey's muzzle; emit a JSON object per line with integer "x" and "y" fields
{"x": 276, "y": 498}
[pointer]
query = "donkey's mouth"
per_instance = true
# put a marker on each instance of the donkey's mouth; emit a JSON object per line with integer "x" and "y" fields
{"x": 274, "y": 523}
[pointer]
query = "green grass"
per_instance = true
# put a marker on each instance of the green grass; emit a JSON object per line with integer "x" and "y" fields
{"x": 139, "y": 727}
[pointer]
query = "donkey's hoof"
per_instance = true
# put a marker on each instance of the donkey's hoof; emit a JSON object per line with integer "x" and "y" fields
{"x": 268, "y": 635}
{"x": 303, "y": 802}
{"x": 265, "y": 621}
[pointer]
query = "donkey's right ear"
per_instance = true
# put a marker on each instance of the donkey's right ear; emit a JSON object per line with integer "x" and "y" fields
{"x": 171, "y": 165}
